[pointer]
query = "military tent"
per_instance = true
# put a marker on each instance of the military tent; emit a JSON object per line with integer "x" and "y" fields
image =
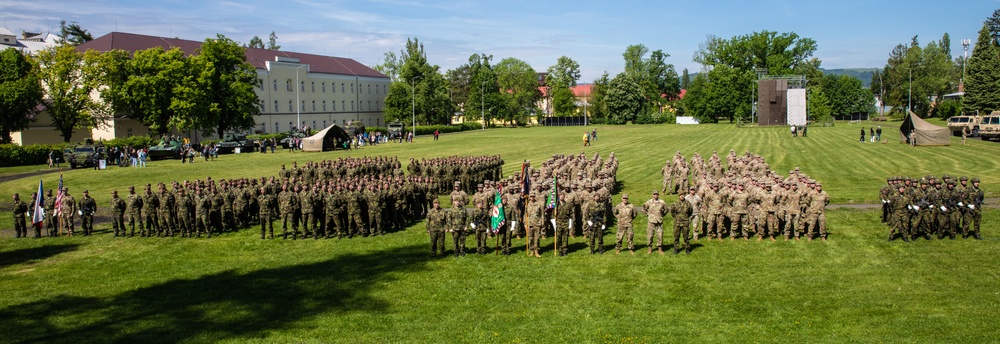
{"x": 331, "y": 138}
{"x": 924, "y": 134}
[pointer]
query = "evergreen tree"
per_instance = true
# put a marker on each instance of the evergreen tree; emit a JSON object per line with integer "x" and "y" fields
{"x": 982, "y": 79}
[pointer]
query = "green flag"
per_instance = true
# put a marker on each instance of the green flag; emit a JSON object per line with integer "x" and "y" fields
{"x": 497, "y": 212}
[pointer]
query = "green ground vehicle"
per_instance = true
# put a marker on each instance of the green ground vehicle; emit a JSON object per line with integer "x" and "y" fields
{"x": 286, "y": 142}
{"x": 354, "y": 128}
{"x": 230, "y": 142}
{"x": 395, "y": 130}
{"x": 86, "y": 154}
{"x": 167, "y": 149}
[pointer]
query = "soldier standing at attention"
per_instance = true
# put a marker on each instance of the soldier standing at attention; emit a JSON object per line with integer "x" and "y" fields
{"x": 285, "y": 200}
{"x": 681, "y": 212}
{"x": 458, "y": 219}
{"x": 331, "y": 210}
{"x": 695, "y": 200}
{"x": 625, "y": 214}
{"x": 739, "y": 202}
{"x": 973, "y": 200}
{"x": 900, "y": 204}
{"x": 68, "y": 210}
{"x": 19, "y": 208}
{"x": 152, "y": 204}
{"x": 51, "y": 220}
{"x": 166, "y": 210}
{"x": 655, "y": 209}
{"x": 595, "y": 220}
{"x": 306, "y": 200}
{"x": 133, "y": 205}
{"x": 88, "y": 207}
{"x": 479, "y": 223}
{"x": 437, "y": 220}
{"x": 118, "y": 208}
{"x": 817, "y": 213}
{"x": 535, "y": 212}
{"x": 266, "y": 213}
{"x": 185, "y": 207}
{"x": 564, "y": 221}
{"x": 202, "y": 208}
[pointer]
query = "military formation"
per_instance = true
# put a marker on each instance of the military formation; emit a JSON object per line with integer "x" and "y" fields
{"x": 929, "y": 206}
{"x": 747, "y": 198}
{"x": 568, "y": 195}
{"x": 339, "y": 198}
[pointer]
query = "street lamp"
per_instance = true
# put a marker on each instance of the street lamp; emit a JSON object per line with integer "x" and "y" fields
{"x": 413, "y": 107}
{"x": 965, "y": 45}
{"x": 298, "y": 104}
{"x": 482, "y": 102}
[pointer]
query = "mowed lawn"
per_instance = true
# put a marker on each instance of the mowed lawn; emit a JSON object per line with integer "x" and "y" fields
{"x": 237, "y": 288}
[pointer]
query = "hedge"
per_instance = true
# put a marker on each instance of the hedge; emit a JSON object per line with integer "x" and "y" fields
{"x": 16, "y": 155}
{"x": 132, "y": 141}
{"x": 429, "y": 129}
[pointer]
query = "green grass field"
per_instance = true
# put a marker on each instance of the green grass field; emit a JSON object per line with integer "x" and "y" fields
{"x": 237, "y": 288}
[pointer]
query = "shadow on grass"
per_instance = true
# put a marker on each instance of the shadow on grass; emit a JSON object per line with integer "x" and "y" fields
{"x": 214, "y": 307}
{"x": 35, "y": 253}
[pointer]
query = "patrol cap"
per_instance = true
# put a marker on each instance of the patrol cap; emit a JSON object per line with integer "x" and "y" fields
{"x": 457, "y": 183}
{"x": 656, "y": 192}
{"x": 624, "y": 196}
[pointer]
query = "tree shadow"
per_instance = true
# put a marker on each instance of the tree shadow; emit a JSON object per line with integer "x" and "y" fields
{"x": 35, "y": 253}
{"x": 215, "y": 307}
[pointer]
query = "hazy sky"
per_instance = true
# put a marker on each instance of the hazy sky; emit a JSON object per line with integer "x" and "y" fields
{"x": 850, "y": 33}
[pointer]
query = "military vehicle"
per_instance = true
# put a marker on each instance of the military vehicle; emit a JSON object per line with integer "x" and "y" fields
{"x": 286, "y": 142}
{"x": 354, "y": 128}
{"x": 86, "y": 154}
{"x": 989, "y": 126}
{"x": 169, "y": 148}
{"x": 958, "y": 123}
{"x": 230, "y": 142}
{"x": 395, "y": 130}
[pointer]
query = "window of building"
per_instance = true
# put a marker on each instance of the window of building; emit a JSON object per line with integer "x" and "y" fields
{"x": 343, "y": 105}
{"x": 383, "y": 90}
{"x": 324, "y": 87}
{"x": 324, "y": 123}
{"x": 324, "y": 105}
{"x": 276, "y": 128}
{"x": 313, "y": 85}
{"x": 352, "y": 104}
{"x": 369, "y": 105}
{"x": 352, "y": 88}
{"x": 314, "y": 124}
{"x": 288, "y": 85}
{"x": 275, "y": 85}
{"x": 302, "y": 105}
{"x": 302, "y": 86}
{"x": 290, "y": 106}
{"x": 275, "y": 106}
{"x": 369, "y": 88}
{"x": 342, "y": 88}
{"x": 314, "y": 105}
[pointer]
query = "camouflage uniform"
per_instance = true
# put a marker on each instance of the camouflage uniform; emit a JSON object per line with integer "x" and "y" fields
{"x": 625, "y": 214}
{"x": 266, "y": 214}
{"x": 681, "y": 212}
{"x": 458, "y": 220}
{"x": 133, "y": 205}
{"x": 437, "y": 221}
{"x": 118, "y": 207}
{"x": 655, "y": 209}
{"x": 88, "y": 207}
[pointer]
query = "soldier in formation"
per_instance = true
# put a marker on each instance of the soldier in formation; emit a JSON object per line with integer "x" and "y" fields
{"x": 930, "y": 206}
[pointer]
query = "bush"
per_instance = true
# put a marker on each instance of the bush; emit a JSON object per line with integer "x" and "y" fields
{"x": 655, "y": 118}
{"x": 15, "y": 155}
{"x": 948, "y": 108}
{"x": 276, "y": 137}
{"x": 133, "y": 141}
{"x": 429, "y": 129}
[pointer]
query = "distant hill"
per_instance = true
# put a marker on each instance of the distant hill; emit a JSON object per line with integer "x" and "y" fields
{"x": 865, "y": 74}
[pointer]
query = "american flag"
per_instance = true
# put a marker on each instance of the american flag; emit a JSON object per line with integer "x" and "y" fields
{"x": 59, "y": 197}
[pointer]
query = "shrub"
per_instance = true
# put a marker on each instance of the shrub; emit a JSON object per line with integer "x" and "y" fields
{"x": 16, "y": 155}
{"x": 133, "y": 141}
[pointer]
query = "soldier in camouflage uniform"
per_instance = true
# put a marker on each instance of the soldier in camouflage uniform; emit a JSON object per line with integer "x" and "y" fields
{"x": 185, "y": 209}
{"x": 973, "y": 200}
{"x": 681, "y": 212}
{"x": 133, "y": 205}
{"x": 458, "y": 221}
{"x": 202, "y": 209}
{"x": 899, "y": 202}
{"x": 594, "y": 214}
{"x": 624, "y": 214}
{"x": 355, "y": 224}
{"x": 166, "y": 212}
{"x": 564, "y": 214}
{"x": 151, "y": 205}
{"x": 266, "y": 213}
{"x": 535, "y": 216}
{"x": 655, "y": 209}
{"x": 437, "y": 221}
{"x": 88, "y": 207}
{"x": 307, "y": 201}
{"x": 19, "y": 208}
{"x": 68, "y": 212}
{"x": 480, "y": 222}
{"x": 118, "y": 207}
{"x": 288, "y": 202}
{"x": 816, "y": 219}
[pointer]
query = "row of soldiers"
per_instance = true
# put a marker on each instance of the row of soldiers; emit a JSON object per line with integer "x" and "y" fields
{"x": 533, "y": 203}
{"x": 467, "y": 170}
{"x": 932, "y": 206}
{"x": 342, "y": 168}
{"x": 747, "y": 198}
{"x": 59, "y": 214}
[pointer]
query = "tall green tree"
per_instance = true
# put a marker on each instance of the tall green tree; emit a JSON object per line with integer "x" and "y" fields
{"x": 685, "y": 79}
{"x": 484, "y": 92}
{"x": 598, "y": 99}
{"x": 434, "y": 105}
{"x": 518, "y": 90}
{"x": 227, "y": 81}
{"x": 68, "y": 90}
{"x": 73, "y": 34}
{"x": 256, "y": 43}
{"x": 153, "y": 89}
{"x": 272, "y": 42}
{"x": 20, "y": 92}
{"x": 561, "y": 76}
{"x": 982, "y": 78}
{"x": 657, "y": 79}
{"x": 459, "y": 81}
{"x": 913, "y": 75}
{"x": 390, "y": 66}
{"x": 625, "y": 100}
{"x": 818, "y": 104}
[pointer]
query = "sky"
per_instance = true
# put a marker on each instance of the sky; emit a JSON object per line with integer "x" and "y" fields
{"x": 849, "y": 33}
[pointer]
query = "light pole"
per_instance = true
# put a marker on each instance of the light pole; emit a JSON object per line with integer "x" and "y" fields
{"x": 413, "y": 108}
{"x": 965, "y": 45}
{"x": 482, "y": 102}
{"x": 909, "y": 96}
{"x": 298, "y": 104}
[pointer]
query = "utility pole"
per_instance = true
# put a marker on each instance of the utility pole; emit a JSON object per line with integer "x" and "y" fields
{"x": 965, "y": 45}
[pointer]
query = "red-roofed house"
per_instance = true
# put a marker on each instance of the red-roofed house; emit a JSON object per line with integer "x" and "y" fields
{"x": 330, "y": 90}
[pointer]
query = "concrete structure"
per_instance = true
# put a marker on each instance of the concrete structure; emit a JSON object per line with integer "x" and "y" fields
{"x": 29, "y": 43}
{"x": 318, "y": 90}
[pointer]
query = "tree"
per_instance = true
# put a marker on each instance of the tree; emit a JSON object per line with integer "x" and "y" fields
{"x": 685, "y": 79}
{"x": 434, "y": 105}
{"x": 150, "y": 94}
{"x": 459, "y": 81}
{"x": 779, "y": 53}
{"x": 227, "y": 81}
{"x": 723, "y": 92}
{"x": 484, "y": 93}
{"x": 272, "y": 42}
{"x": 390, "y": 66}
{"x": 598, "y": 99}
{"x": 519, "y": 89}
{"x": 982, "y": 79}
{"x": 73, "y": 34}
{"x": 625, "y": 100}
{"x": 68, "y": 89}
{"x": 256, "y": 43}
{"x": 913, "y": 75}
{"x": 560, "y": 78}
{"x": 20, "y": 92}
{"x": 818, "y": 104}
{"x": 993, "y": 24}
{"x": 398, "y": 103}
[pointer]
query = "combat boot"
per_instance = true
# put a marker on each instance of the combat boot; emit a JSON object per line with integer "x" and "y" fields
{"x": 976, "y": 235}
{"x": 650, "y": 250}
{"x": 660, "y": 250}
{"x": 676, "y": 250}
{"x": 618, "y": 251}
